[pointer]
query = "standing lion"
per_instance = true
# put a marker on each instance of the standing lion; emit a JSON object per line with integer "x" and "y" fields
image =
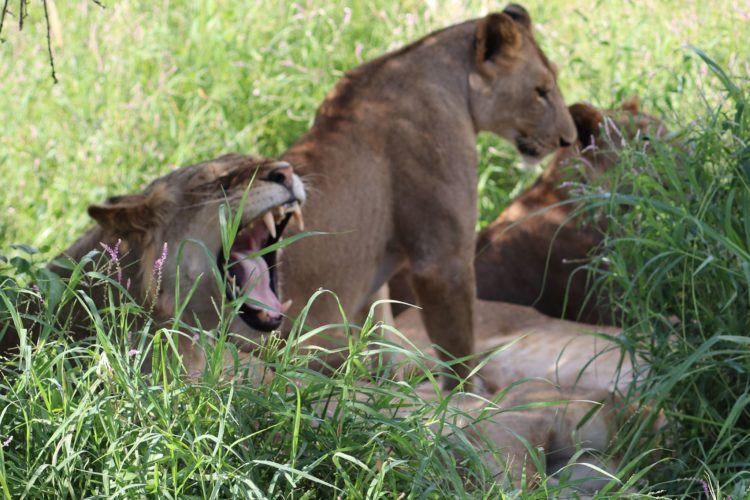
{"x": 391, "y": 163}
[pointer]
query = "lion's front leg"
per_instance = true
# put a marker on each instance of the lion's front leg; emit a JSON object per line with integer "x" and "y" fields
{"x": 446, "y": 291}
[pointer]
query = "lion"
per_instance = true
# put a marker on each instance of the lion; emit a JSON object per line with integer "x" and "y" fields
{"x": 140, "y": 236}
{"x": 391, "y": 162}
{"x": 551, "y": 383}
{"x": 532, "y": 252}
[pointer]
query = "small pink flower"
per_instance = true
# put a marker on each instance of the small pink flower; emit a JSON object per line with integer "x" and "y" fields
{"x": 590, "y": 147}
{"x": 157, "y": 274}
{"x": 705, "y": 488}
{"x": 7, "y": 442}
{"x": 159, "y": 263}
{"x": 37, "y": 290}
{"x": 114, "y": 257}
{"x": 133, "y": 352}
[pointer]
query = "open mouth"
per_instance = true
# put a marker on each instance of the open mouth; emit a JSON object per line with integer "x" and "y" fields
{"x": 253, "y": 278}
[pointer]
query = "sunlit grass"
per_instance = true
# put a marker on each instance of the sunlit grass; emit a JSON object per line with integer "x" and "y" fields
{"x": 676, "y": 266}
{"x": 147, "y": 86}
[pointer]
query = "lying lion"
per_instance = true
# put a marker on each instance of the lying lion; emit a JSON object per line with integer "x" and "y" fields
{"x": 552, "y": 383}
{"x": 532, "y": 252}
{"x": 140, "y": 236}
{"x": 392, "y": 165}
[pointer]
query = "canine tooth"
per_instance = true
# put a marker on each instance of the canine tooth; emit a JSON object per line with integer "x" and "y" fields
{"x": 285, "y": 306}
{"x": 297, "y": 216}
{"x": 270, "y": 224}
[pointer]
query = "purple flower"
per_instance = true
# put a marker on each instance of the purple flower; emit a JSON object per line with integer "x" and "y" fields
{"x": 705, "y": 488}
{"x": 157, "y": 274}
{"x": 35, "y": 287}
{"x": 159, "y": 263}
{"x": 114, "y": 257}
{"x": 590, "y": 147}
{"x": 7, "y": 442}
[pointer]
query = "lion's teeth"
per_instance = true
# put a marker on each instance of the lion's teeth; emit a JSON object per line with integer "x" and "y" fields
{"x": 270, "y": 224}
{"x": 285, "y": 306}
{"x": 280, "y": 213}
{"x": 297, "y": 216}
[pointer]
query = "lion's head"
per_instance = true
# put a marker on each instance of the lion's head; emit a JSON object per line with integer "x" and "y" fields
{"x": 513, "y": 87}
{"x": 602, "y": 134}
{"x": 175, "y": 222}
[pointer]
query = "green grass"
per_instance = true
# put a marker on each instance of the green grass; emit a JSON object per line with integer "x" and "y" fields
{"x": 147, "y": 86}
{"x": 676, "y": 264}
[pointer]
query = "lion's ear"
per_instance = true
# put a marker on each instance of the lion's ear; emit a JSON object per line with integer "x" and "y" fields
{"x": 124, "y": 214}
{"x": 632, "y": 105}
{"x": 497, "y": 35}
{"x": 519, "y": 14}
{"x": 587, "y": 119}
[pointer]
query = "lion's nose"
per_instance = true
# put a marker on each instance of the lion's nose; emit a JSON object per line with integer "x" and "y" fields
{"x": 281, "y": 174}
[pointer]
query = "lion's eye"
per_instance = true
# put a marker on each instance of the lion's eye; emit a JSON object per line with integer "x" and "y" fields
{"x": 542, "y": 92}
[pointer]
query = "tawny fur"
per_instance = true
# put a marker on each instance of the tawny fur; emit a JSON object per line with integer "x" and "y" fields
{"x": 532, "y": 360}
{"x": 392, "y": 163}
{"x": 173, "y": 210}
{"x": 533, "y": 252}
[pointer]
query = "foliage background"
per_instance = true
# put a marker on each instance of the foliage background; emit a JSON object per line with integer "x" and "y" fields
{"x": 146, "y": 86}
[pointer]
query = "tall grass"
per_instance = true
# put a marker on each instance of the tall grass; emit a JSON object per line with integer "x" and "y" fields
{"x": 676, "y": 265}
{"x": 116, "y": 414}
{"x": 145, "y": 86}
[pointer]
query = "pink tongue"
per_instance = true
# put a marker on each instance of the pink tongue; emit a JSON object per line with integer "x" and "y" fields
{"x": 258, "y": 283}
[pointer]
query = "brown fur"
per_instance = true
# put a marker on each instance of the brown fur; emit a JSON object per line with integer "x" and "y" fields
{"x": 402, "y": 130}
{"x": 531, "y": 253}
{"x": 535, "y": 359}
{"x": 180, "y": 206}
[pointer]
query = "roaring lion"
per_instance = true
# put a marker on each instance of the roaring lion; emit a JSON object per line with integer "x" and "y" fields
{"x": 140, "y": 236}
{"x": 391, "y": 162}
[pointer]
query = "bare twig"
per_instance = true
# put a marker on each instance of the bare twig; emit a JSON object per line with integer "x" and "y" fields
{"x": 2, "y": 15}
{"x": 23, "y": 11}
{"x": 49, "y": 43}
